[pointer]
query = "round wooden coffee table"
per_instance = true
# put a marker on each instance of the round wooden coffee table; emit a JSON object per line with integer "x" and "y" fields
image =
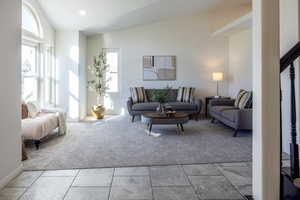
{"x": 156, "y": 118}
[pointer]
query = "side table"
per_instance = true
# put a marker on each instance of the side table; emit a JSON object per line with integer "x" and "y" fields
{"x": 207, "y": 99}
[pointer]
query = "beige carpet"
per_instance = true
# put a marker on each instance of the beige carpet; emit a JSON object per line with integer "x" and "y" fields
{"x": 115, "y": 141}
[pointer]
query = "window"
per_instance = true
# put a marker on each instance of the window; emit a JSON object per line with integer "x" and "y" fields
{"x": 38, "y": 69}
{"x": 49, "y": 77}
{"x": 112, "y": 56}
{"x": 30, "y": 21}
{"x": 30, "y": 73}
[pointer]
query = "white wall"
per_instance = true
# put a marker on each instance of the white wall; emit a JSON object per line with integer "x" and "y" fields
{"x": 188, "y": 38}
{"x": 70, "y": 69}
{"x": 289, "y": 36}
{"x": 10, "y": 90}
{"x": 240, "y": 62}
{"x": 67, "y": 61}
{"x": 82, "y": 75}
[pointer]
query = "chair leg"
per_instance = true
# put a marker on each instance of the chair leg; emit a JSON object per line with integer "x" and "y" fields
{"x": 150, "y": 129}
{"x": 132, "y": 119}
{"x": 235, "y": 133}
{"x": 37, "y": 144}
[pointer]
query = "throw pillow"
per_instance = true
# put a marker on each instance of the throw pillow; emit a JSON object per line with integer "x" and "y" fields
{"x": 238, "y": 97}
{"x": 186, "y": 94}
{"x": 246, "y": 101}
{"x": 25, "y": 113}
{"x": 33, "y": 109}
{"x": 138, "y": 95}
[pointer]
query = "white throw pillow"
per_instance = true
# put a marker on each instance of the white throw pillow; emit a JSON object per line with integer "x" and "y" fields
{"x": 33, "y": 109}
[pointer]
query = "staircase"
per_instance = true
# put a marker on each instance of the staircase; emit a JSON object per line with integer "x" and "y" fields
{"x": 290, "y": 179}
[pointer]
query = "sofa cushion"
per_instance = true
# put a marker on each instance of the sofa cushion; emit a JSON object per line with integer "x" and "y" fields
{"x": 230, "y": 114}
{"x": 33, "y": 108}
{"x": 181, "y": 106}
{"x": 219, "y": 109}
{"x": 186, "y": 94}
{"x": 238, "y": 97}
{"x": 25, "y": 113}
{"x": 246, "y": 101}
{"x": 171, "y": 97}
{"x": 138, "y": 95}
{"x": 145, "y": 106}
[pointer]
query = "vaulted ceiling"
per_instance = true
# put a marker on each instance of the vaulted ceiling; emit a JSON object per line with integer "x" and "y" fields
{"x": 108, "y": 15}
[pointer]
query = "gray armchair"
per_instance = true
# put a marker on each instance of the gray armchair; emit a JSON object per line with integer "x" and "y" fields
{"x": 224, "y": 111}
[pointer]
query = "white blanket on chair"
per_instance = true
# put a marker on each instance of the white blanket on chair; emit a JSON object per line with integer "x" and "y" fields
{"x": 62, "y": 119}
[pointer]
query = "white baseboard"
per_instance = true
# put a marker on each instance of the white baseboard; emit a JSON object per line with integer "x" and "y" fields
{"x": 4, "y": 181}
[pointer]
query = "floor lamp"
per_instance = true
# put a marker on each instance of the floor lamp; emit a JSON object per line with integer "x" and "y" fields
{"x": 218, "y": 76}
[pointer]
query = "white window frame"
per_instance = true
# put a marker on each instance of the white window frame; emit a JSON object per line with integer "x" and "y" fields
{"x": 114, "y": 50}
{"x": 28, "y": 34}
{"x": 37, "y": 76}
{"x": 49, "y": 76}
{"x": 42, "y": 63}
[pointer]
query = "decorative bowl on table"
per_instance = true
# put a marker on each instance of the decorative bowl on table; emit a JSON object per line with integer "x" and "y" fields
{"x": 170, "y": 113}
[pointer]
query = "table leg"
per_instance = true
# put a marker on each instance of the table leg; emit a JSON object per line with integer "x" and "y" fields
{"x": 206, "y": 105}
{"x": 182, "y": 129}
{"x": 178, "y": 129}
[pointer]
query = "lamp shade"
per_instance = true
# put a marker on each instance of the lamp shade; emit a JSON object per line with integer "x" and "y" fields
{"x": 218, "y": 76}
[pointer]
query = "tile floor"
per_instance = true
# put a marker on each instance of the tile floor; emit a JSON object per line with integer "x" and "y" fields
{"x": 180, "y": 182}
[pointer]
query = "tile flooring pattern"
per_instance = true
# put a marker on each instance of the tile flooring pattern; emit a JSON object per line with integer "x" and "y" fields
{"x": 180, "y": 182}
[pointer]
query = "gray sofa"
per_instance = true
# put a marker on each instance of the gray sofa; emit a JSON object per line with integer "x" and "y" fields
{"x": 224, "y": 111}
{"x": 193, "y": 109}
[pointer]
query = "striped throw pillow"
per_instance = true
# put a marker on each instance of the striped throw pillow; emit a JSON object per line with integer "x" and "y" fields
{"x": 186, "y": 94}
{"x": 246, "y": 101}
{"x": 138, "y": 95}
{"x": 238, "y": 97}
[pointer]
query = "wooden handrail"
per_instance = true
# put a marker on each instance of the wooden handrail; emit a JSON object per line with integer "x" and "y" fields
{"x": 290, "y": 57}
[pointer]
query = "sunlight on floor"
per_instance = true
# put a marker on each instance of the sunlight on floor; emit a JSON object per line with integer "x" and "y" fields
{"x": 106, "y": 118}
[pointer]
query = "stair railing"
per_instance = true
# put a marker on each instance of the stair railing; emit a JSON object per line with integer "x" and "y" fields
{"x": 289, "y": 188}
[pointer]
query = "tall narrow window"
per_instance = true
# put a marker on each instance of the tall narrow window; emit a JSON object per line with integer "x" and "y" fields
{"x": 30, "y": 73}
{"x": 31, "y": 65}
{"x": 112, "y": 75}
{"x": 49, "y": 77}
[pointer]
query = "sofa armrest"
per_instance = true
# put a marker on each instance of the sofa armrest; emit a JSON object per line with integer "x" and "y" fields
{"x": 198, "y": 102}
{"x": 129, "y": 105}
{"x": 221, "y": 102}
{"x": 244, "y": 119}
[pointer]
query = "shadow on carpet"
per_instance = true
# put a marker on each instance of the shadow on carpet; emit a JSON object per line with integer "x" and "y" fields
{"x": 116, "y": 142}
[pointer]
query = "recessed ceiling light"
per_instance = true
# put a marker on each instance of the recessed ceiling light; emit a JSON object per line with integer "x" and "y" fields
{"x": 82, "y": 12}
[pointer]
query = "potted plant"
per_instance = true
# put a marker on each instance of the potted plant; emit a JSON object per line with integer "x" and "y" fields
{"x": 99, "y": 82}
{"x": 161, "y": 96}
